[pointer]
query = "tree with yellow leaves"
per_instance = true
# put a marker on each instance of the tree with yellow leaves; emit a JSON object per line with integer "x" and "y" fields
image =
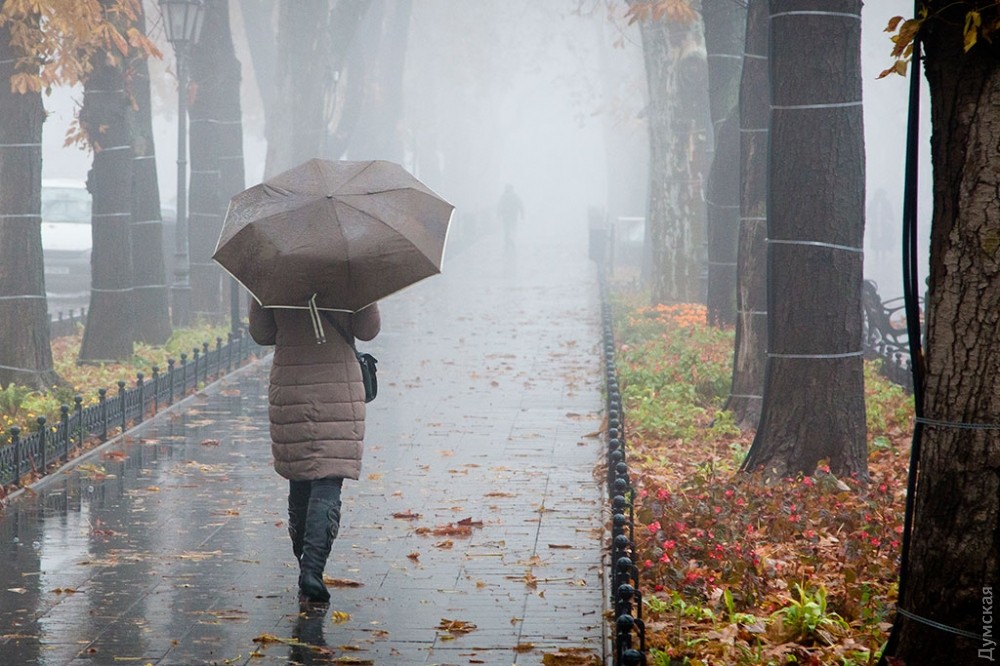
{"x": 43, "y": 43}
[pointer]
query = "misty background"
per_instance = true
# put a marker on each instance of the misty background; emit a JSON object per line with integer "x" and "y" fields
{"x": 547, "y": 96}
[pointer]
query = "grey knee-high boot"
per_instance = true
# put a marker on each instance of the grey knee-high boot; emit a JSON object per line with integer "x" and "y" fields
{"x": 321, "y": 527}
{"x": 297, "y": 525}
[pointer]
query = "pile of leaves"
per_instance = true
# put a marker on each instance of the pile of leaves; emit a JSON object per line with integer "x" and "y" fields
{"x": 21, "y": 406}
{"x": 733, "y": 570}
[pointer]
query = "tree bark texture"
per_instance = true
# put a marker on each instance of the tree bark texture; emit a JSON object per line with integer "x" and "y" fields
{"x": 690, "y": 162}
{"x": 105, "y": 117}
{"x": 955, "y": 544}
{"x": 671, "y": 237}
{"x": 216, "y": 148}
{"x": 660, "y": 111}
{"x": 814, "y": 383}
{"x": 25, "y": 353}
{"x": 725, "y": 33}
{"x": 749, "y": 355}
{"x": 312, "y": 45}
{"x": 149, "y": 273}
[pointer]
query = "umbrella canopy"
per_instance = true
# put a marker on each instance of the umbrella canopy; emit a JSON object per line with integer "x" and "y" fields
{"x": 344, "y": 233}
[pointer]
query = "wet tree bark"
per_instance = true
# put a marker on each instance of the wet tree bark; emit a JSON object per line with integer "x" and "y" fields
{"x": 954, "y": 561}
{"x": 152, "y": 292}
{"x": 814, "y": 384}
{"x": 725, "y": 32}
{"x": 746, "y": 394}
{"x": 216, "y": 149}
{"x": 109, "y": 334}
{"x": 25, "y": 353}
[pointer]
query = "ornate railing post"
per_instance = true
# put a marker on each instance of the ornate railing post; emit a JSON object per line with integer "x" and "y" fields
{"x": 121, "y": 401}
{"x": 140, "y": 386}
{"x": 102, "y": 397}
{"x": 15, "y": 441}
{"x": 64, "y": 423}
{"x": 78, "y": 417}
{"x": 156, "y": 389}
{"x": 184, "y": 360}
{"x": 170, "y": 376}
{"x": 42, "y": 444}
{"x": 204, "y": 362}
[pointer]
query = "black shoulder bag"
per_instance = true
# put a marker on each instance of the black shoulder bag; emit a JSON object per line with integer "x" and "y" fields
{"x": 366, "y": 361}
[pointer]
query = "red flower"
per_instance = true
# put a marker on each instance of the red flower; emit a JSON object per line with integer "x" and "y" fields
{"x": 653, "y": 527}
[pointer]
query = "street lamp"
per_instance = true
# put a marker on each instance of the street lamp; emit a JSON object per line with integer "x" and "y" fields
{"x": 182, "y": 21}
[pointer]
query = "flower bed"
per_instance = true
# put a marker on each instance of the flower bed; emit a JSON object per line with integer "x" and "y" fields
{"x": 735, "y": 571}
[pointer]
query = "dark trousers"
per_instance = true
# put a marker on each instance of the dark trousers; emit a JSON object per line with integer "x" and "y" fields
{"x": 327, "y": 490}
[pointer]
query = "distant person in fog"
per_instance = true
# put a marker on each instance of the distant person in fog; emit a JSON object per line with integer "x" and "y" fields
{"x": 510, "y": 209}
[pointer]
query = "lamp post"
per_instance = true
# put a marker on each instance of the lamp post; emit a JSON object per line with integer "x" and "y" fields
{"x": 182, "y": 21}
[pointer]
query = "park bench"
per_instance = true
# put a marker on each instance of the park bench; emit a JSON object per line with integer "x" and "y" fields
{"x": 885, "y": 331}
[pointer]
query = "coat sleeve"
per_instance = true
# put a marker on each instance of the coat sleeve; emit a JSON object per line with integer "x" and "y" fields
{"x": 366, "y": 323}
{"x": 263, "y": 328}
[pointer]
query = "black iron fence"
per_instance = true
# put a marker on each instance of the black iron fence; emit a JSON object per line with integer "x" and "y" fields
{"x": 625, "y": 595}
{"x": 50, "y": 446}
{"x": 60, "y": 324}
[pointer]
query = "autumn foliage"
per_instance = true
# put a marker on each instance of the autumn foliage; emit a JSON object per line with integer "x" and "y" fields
{"x": 58, "y": 38}
{"x": 735, "y": 571}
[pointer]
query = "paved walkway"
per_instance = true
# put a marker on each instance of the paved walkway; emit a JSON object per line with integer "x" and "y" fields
{"x": 170, "y": 547}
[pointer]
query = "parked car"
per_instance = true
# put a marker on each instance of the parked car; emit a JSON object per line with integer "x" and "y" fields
{"x": 66, "y": 239}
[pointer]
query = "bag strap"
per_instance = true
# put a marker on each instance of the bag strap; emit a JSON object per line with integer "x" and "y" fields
{"x": 333, "y": 322}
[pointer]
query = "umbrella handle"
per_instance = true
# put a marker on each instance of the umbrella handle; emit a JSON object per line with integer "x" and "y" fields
{"x": 316, "y": 322}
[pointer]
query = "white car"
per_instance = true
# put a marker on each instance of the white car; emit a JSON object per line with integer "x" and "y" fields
{"x": 66, "y": 237}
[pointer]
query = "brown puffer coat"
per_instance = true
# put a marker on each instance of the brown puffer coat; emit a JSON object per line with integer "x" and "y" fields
{"x": 316, "y": 398}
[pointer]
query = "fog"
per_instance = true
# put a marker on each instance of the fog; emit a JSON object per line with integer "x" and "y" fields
{"x": 538, "y": 95}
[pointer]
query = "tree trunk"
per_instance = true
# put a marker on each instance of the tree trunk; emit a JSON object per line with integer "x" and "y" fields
{"x": 25, "y": 354}
{"x": 259, "y": 20}
{"x": 216, "y": 145}
{"x": 746, "y": 394}
{"x": 663, "y": 212}
{"x": 152, "y": 292}
{"x": 380, "y": 136}
{"x": 814, "y": 384}
{"x": 953, "y": 566}
{"x": 104, "y": 116}
{"x": 691, "y": 159}
{"x": 725, "y": 33}
{"x": 312, "y": 45}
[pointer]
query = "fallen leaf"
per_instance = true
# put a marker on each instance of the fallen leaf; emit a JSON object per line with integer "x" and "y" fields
{"x": 209, "y": 442}
{"x": 559, "y": 545}
{"x": 456, "y": 626}
{"x": 406, "y": 515}
{"x": 339, "y": 617}
{"x": 448, "y": 543}
{"x": 414, "y": 556}
{"x": 340, "y": 582}
{"x": 524, "y": 647}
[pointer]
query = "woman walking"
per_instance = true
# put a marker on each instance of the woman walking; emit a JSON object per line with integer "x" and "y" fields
{"x": 316, "y": 408}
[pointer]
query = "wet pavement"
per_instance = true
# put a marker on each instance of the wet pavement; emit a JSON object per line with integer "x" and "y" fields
{"x": 169, "y": 547}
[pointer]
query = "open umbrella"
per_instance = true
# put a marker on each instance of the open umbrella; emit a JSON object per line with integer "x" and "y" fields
{"x": 337, "y": 235}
